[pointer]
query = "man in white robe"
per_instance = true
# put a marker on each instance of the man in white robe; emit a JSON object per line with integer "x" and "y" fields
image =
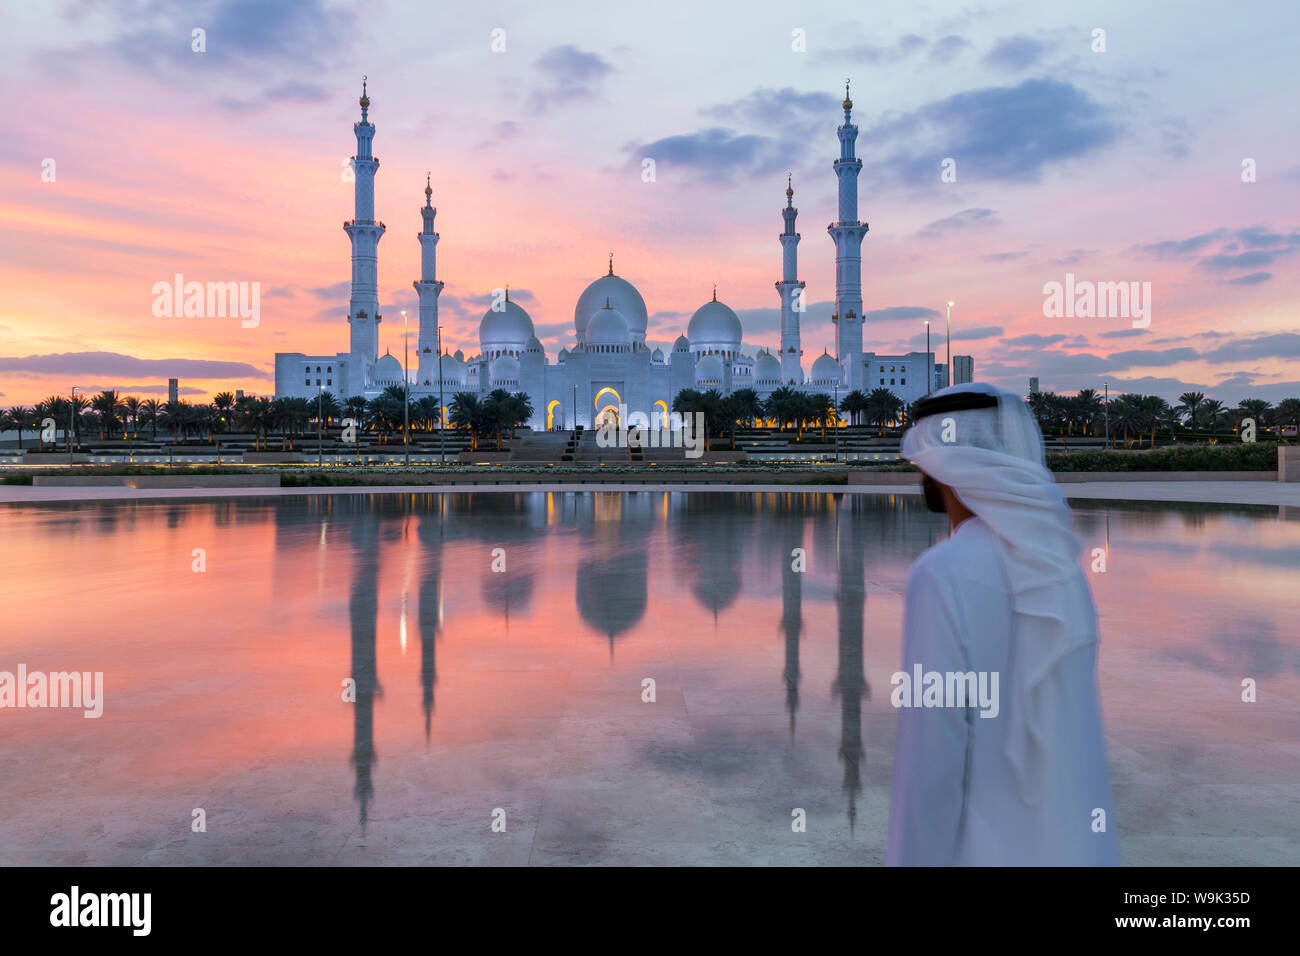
{"x": 1024, "y": 782}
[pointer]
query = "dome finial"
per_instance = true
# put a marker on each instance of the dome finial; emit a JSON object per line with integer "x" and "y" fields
{"x": 715, "y": 292}
{"x": 611, "y": 263}
{"x": 607, "y": 305}
{"x": 428, "y": 185}
{"x": 507, "y": 291}
{"x": 789, "y": 185}
{"x": 848, "y": 103}
{"x": 365, "y": 98}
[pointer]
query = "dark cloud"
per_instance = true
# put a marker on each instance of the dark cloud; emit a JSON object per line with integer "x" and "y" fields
{"x": 1004, "y": 256}
{"x": 485, "y": 300}
{"x": 1253, "y": 278}
{"x": 335, "y": 290}
{"x": 1181, "y": 248}
{"x": 568, "y": 74}
{"x": 1001, "y": 133}
{"x": 946, "y": 49}
{"x": 1153, "y": 357}
{"x": 1015, "y": 53}
{"x": 786, "y": 108}
{"x": 896, "y": 313}
{"x": 117, "y": 364}
{"x": 1121, "y": 333}
{"x": 716, "y": 154}
{"x": 961, "y": 220}
{"x": 1034, "y": 340}
{"x": 1073, "y": 257}
{"x": 1274, "y": 345}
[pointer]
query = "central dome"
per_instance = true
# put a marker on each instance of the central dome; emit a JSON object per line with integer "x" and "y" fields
{"x": 622, "y": 297}
{"x": 509, "y": 327}
{"x": 714, "y": 325}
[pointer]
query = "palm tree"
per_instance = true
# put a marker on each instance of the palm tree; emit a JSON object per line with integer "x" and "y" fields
{"x": 781, "y": 406}
{"x": 854, "y": 403}
{"x": 1191, "y": 403}
{"x": 466, "y": 411}
{"x": 1287, "y": 413}
{"x": 519, "y": 407}
{"x": 882, "y": 408}
{"x": 1126, "y": 415}
{"x": 1154, "y": 410}
{"x": 259, "y": 417}
{"x": 1255, "y": 408}
{"x": 21, "y": 417}
{"x": 223, "y": 402}
{"x": 108, "y": 404}
{"x": 131, "y": 404}
{"x": 746, "y": 405}
{"x": 1087, "y": 409}
{"x": 1211, "y": 410}
{"x": 148, "y": 414}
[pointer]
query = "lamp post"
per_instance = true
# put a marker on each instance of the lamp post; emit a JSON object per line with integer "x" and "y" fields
{"x": 442, "y": 448}
{"x": 320, "y": 402}
{"x": 947, "y": 371}
{"x": 929, "y": 361}
{"x": 72, "y": 409}
{"x": 406, "y": 397}
{"x": 1106, "y": 386}
{"x": 835, "y": 399}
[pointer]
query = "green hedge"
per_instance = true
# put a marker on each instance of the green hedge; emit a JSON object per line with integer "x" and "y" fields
{"x": 1257, "y": 456}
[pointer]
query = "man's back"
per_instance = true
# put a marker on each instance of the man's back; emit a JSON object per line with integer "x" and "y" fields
{"x": 955, "y": 794}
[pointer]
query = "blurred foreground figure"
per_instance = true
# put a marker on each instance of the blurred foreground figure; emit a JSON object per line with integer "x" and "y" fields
{"x": 1012, "y": 772}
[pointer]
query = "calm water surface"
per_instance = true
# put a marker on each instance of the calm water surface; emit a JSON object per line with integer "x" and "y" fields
{"x": 516, "y": 694}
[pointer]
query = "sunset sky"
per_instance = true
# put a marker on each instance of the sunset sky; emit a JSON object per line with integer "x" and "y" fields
{"x": 228, "y": 165}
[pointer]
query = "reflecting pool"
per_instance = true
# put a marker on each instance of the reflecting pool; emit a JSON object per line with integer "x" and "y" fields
{"x": 466, "y": 678}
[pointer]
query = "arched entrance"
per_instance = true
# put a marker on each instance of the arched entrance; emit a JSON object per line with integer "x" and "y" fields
{"x": 551, "y": 422}
{"x": 607, "y": 416}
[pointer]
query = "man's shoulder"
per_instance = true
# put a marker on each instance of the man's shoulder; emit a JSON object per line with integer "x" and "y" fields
{"x": 969, "y": 553}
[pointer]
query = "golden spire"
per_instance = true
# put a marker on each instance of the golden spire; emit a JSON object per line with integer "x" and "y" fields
{"x": 607, "y": 305}
{"x": 611, "y": 263}
{"x": 789, "y": 187}
{"x": 365, "y": 100}
{"x": 848, "y": 103}
{"x": 715, "y": 292}
{"x": 507, "y": 291}
{"x": 428, "y": 188}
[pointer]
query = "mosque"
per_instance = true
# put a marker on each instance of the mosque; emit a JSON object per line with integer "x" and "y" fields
{"x": 609, "y": 363}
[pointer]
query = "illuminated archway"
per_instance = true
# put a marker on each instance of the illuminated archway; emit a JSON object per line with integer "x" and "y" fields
{"x": 550, "y": 414}
{"x": 661, "y": 404}
{"x": 618, "y": 399}
{"x": 608, "y": 414}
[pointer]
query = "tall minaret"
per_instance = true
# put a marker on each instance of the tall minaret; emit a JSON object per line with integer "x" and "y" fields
{"x": 791, "y": 364}
{"x": 365, "y": 233}
{"x": 428, "y": 289}
{"x": 847, "y": 233}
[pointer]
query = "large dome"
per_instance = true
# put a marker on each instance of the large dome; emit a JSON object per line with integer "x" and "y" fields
{"x": 622, "y": 297}
{"x": 511, "y": 327}
{"x": 825, "y": 371}
{"x": 607, "y": 328}
{"x": 714, "y": 325}
{"x": 452, "y": 370}
{"x": 767, "y": 368}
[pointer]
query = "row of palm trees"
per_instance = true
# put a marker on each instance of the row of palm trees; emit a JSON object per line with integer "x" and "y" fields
{"x": 1142, "y": 416}
{"x": 788, "y": 408}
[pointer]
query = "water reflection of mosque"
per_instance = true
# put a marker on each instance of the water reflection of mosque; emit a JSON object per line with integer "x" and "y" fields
{"x": 712, "y": 535}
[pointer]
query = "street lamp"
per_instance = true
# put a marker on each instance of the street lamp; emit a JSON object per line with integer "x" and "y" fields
{"x": 947, "y": 372}
{"x": 1106, "y": 386}
{"x": 929, "y": 361}
{"x": 835, "y": 435}
{"x": 72, "y": 408}
{"x": 406, "y": 397}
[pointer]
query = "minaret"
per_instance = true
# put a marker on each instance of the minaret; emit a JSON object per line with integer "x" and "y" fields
{"x": 791, "y": 353}
{"x": 847, "y": 233}
{"x": 428, "y": 289}
{"x": 365, "y": 233}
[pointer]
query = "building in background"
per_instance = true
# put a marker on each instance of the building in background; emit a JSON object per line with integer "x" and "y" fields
{"x": 173, "y": 390}
{"x": 609, "y": 369}
{"x": 1033, "y": 386}
{"x": 963, "y": 369}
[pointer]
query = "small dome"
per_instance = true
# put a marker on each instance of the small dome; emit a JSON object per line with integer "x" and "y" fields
{"x": 452, "y": 369}
{"x": 509, "y": 327}
{"x": 388, "y": 371}
{"x": 460, "y": 356}
{"x": 658, "y": 356}
{"x": 714, "y": 324}
{"x": 504, "y": 368}
{"x": 709, "y": 370}
{"x": 767, "y": 368}
{"x": 682, "y": 344}
{"x": 607, "y": 327}
{"x": 825, "y": 371}
{"x": 622, "y": 297}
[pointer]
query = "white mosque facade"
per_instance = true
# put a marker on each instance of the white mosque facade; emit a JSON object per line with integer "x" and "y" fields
{"x": 609, "y": 364}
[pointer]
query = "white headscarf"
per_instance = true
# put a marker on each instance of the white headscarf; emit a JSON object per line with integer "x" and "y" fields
{"x": 992, "y": 458}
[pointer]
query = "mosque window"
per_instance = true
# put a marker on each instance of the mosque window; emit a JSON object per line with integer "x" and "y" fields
{"x": 318, "y": 368}
{"x": 329, "y": 381}
{"x": 882, "y": 368}
{"x": 329, "y": 368}
{"x": 903, "y": 382}
{"x": 308, "y": 382}
{"x": 882, "y": 381}
{"x": 891, "y": 381}
{"x": 307, "y": 370}
{"x": 891, "y": 368}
